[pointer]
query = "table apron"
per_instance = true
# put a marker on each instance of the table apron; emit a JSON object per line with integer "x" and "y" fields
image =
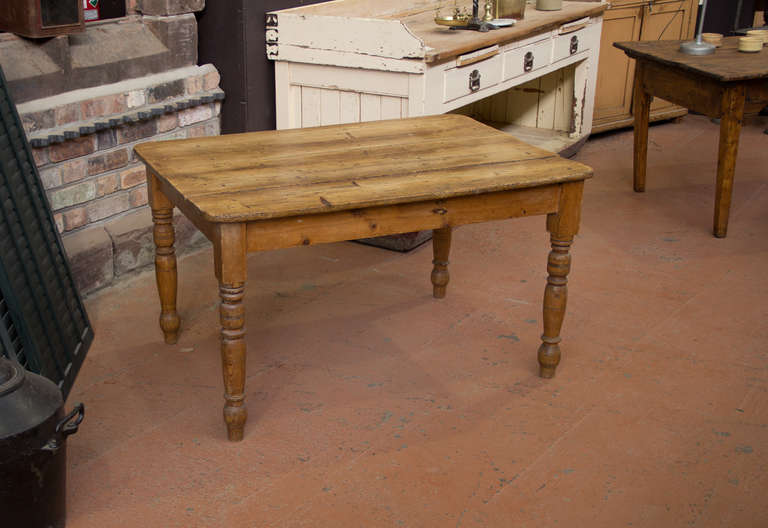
{"x": 757, "y": 95}
{"x": 402, "y": 218}
{"x": 695, "y": 92}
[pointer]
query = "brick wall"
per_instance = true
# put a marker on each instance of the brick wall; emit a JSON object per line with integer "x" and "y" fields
{"x": 84, "y": 114}
{"x": 95, "y": 176}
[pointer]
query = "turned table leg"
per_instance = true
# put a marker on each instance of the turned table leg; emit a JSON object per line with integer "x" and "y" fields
{"x": 562, "y": 226}
{"x": 441, "y": 248}
{"x": 642, "y": 110}
{"x": 732, "y": 114}
{"x": 165, "y": 259}
{"x": 230, "y": 264}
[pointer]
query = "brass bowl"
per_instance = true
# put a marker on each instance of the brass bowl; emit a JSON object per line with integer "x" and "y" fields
{"x": 451, "y": 20}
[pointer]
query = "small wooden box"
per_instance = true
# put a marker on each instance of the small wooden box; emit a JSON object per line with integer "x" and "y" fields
{"x": 41, "y": 18}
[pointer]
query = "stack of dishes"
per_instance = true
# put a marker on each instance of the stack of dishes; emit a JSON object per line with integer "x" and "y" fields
{"x": 750, "y": 44}
{"x": 759, "y": 33}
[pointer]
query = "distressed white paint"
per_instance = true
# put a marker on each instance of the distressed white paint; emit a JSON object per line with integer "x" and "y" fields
{"x": 350, "y": 79}
{"x": 367, "y": 36}
{"x": 325, "y": 75}
{"x": 291, "y": 53}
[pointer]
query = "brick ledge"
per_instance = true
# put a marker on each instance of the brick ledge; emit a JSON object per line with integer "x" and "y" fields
{"x": 104, "y": 254}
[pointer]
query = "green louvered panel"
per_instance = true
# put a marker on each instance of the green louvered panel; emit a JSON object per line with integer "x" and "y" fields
{"x": 44, "y": 323}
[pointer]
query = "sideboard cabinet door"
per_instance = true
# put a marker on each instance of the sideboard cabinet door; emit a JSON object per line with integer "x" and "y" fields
{"x": 632, "y": 20}
{"x": 615, "y": 73}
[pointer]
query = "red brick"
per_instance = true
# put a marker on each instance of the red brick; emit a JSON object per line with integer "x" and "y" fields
{"x": 102, "y": 106}
{"x": 73, "y": 148}
{"x": 74, "y": 170}
{"x": 68, "y": 113}
{"x": 40, "y": 155}
{"x": 107, "y": 161}
{"x": 166, "y": 122}
{"x": 139, "y": 196}
{"x": 74, "y": 218}
{"x": 193, "y": 85}
{"x": 133, "y": 177}
{"x": 107, "y": 206}
{"x": 196, "y": 131}
{"x": 136, "y": 131}
{"x": 106, "y": 184}
{"x": 59, "y": 222}
{"x": 211, "y": 80}
{"x": 51, "y": 177}
{"x": 106, "y": 139}
{"x": 194, "y": 115}
{"x": 38, "y": 120}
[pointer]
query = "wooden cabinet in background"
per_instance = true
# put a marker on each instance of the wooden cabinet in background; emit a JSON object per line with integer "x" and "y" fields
{"x": 633, "y": 20}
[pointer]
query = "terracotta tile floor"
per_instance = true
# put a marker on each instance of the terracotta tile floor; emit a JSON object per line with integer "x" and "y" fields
{"x": 372, "y": 404}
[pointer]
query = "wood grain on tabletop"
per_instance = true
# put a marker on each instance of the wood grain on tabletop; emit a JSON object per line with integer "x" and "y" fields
{"x": 444, "y": 43}
{"x": 272, "y": 174}
{"x": 726, "y": 64}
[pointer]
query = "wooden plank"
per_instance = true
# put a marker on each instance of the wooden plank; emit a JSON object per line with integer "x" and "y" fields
{"x": 350, "y": 107}
{"x": 370, "y": 107}
{"x": 693, "y": 91}
{"x": 392, "y": 219}
{"x": 310, "y": 106}
{"x": 330, "y": 107}
{"x": 564, "y": 100}
{"x": 522, "y": 109}
{"x": 390, "y": 107}
{"x": 339, "y": 33}
{"x": 302, "y": 54}
{"x": 548, "y": 99}
{"x": 350, "y": 79}
{"x": 726, "y": 64}
{"x": 259, "y": 175}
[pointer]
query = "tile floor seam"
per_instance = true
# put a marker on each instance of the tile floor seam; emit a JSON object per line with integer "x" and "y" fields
{"x": 548, "y": 450}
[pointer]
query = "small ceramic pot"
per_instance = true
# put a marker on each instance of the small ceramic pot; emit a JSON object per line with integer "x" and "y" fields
{"x": 715, "y": 39}
{"x": 750, "y": 44}
{"x": 759, "y": 33}
{"x": 549, "y": 5}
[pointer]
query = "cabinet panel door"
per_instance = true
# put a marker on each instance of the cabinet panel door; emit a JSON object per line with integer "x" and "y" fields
{"x": 672, "y": 20}
{"x": 615, "y": 76}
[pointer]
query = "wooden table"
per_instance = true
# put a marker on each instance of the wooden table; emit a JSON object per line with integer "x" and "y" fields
{"x": 276, "y": 189}
{"x": 726, "y": 85}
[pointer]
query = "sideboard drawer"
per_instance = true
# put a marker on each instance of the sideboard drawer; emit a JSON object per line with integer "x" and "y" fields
{"x": 526, "y": 59}
{"x": 571, "y": 44}
{"x": 472, "y": 78}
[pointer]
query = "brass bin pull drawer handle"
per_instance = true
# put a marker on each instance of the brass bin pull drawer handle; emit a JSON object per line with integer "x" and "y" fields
{"x": 574, "y": 44}
{"x": 528, "y": 62}
{"x": 474, "y": 81}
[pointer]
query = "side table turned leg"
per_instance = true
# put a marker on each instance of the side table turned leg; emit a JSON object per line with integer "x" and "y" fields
{"x": 165, "y": 260}
{"x": 642, "y": 109}
{"x": 230, "y": 264}
{"x": 562, "y": 226}
{"x": 441, "y": 248}
{"x": 732, "y": 113}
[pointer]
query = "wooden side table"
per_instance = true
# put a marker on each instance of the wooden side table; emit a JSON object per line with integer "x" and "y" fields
{"x": 276, "y": 189}
{"x": 724, "y": 85}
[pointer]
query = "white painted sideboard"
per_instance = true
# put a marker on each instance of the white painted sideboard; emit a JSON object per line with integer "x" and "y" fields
{"x": 361, "y": 60}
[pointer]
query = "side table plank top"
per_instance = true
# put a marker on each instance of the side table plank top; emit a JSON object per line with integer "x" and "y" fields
{"x": 262, "y": 175}
{"x": 727, "y": 64}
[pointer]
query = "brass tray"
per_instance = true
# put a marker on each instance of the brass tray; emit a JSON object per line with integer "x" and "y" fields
{"x": 452, "y": 21}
